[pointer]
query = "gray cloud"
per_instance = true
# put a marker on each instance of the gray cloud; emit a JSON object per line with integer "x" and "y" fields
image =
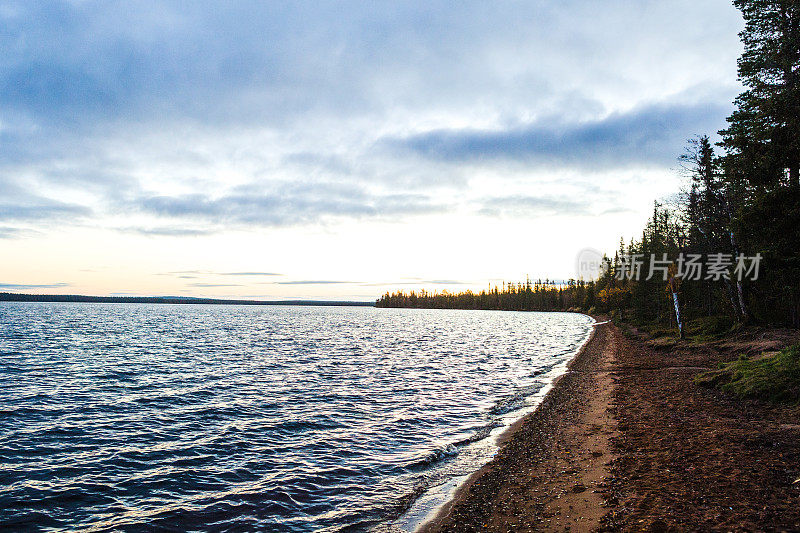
{"x": 95, "y": 109}
{"x": 532, "y": 207}
{"x": 20, "y": 208}
{"x": 10, "y": 233}
{"x": 651, "y": 135}
{"x": 19, "y": 287}
{"x": 38, "y": 209}
{"x": 285, "y": 206}
{"x": 70, "y": 63}
{"x": 616, "y": 210}
{"x": 167, "y": 231}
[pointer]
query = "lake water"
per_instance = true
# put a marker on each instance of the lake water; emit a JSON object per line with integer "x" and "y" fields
{"x": 184, "y": 417}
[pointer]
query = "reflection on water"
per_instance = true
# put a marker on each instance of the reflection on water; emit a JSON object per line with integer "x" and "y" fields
{"x": 226, "y": 417}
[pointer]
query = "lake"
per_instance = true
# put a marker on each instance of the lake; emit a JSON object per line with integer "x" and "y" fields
{"x": 125, "y": 416}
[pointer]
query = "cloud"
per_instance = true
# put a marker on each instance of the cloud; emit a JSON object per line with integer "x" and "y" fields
{"x": 207, "y": 285}
{"x": 39, "y": 209}
{"x": 167, "y": 231}
{"x": 418, "y": 282}
{"x": 650, "y": 135}
{"x": 314, "y": 282}
{"x": 289, "y": 204}
{"x": 20, "y": 209}
{"x": 616, "y": 210}
{"x": 72, "y": 63}
{"x": 19, "y": 287}
{"x": 533, "y": 207}
{"x": 249, "y": 274}
{"x": 10, "y": 232}
{"x": 166, "y": 116}
{"x": 31, "y": 211}
{"x": 196, "y": 273}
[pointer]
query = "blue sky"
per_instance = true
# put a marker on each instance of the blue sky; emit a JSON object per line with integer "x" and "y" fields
{"x": 345, "y": 147}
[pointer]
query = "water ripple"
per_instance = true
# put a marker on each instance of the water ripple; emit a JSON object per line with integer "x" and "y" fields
{"x": 124, "y": 417}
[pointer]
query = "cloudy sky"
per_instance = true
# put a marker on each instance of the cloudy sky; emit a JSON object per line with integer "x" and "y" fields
{"x": 337, "y": 149}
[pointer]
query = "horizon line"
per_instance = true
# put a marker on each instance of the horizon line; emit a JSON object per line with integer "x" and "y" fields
{"x": 184, "y": 300}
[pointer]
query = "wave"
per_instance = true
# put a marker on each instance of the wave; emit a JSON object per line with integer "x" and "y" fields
{"x": 305, "y": 419}
{"x": 517, "y": 401}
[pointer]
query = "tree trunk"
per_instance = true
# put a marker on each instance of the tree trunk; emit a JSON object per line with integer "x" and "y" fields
{"x": 742, "y": 304}
{"x": 739, "y": 288}
{"x": 678, "y": 314}
{"x": 737, "y": 311}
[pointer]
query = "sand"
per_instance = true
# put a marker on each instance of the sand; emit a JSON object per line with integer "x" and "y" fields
{"x": 549, "y": 472}
{"x": 626, "y": 441}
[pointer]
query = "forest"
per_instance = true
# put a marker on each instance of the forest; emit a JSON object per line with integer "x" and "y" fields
{"x": 742, "y": 199}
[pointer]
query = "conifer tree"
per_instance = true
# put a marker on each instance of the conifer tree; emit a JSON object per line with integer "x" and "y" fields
{"x": 763, "y": 136}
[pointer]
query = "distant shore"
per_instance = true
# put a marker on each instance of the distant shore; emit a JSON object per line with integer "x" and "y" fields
{"x": 628, "y": 441}
{"x": 77, "y": 298}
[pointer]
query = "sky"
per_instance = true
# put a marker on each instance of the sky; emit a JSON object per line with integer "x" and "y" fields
{"x": 340, "y": 149}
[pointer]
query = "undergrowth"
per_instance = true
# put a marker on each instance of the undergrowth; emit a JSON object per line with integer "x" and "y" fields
{"x": 774, "y": 378}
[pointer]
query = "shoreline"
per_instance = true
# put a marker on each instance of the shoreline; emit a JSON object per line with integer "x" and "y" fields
{"x": 471, "y": 504}
{"x": 513, "y": 428}
{"x": 429, "y": 504}
{"x": 629, "y": 441}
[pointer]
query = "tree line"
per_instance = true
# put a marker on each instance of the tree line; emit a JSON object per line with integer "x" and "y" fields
{"x": 529, "y": 296}
{"x": 742, "y": 198}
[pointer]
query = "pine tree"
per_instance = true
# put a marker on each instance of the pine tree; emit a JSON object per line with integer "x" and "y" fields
{"x": 763, "y": 136}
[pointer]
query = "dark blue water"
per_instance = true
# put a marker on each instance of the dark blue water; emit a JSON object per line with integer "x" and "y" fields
{"x": 157, "y": 417}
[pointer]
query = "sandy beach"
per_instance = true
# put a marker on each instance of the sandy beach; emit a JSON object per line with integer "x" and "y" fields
{"x": 550, "y": 469}
{"x": 627, "y": 441}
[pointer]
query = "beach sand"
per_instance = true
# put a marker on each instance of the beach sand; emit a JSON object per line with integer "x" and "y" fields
{"x": 549, "y": 471}
{"x": 626, "y": 441}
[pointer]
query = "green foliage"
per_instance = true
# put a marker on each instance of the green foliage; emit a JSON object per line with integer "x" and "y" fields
{"x": 763, "y": 136}
{"x": 762, "y": 159}
{"x": 528, "y": 296}
{"x": 774, "y": 378}
{"x": 710, "y": 326}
